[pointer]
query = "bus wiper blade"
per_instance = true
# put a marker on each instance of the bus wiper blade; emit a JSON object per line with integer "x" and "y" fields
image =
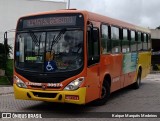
{"x": 56, "y": 39}
{"x": 39, "y": 44}
{"x": 34, "y": 38}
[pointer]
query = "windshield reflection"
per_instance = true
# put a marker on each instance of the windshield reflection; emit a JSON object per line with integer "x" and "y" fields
{"x": 54, "y": 51}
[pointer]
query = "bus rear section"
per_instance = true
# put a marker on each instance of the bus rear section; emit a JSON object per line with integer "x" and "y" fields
{"x": 144, "y": 57}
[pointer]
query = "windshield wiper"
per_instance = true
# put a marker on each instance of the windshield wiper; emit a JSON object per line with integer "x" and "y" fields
{"x": 39, "y": 44}
{"x": 57, "y": 38}
{"x": 34, "y": 38}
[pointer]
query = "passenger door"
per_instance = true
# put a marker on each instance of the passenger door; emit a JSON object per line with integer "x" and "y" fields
{"x": 93, "y": 86}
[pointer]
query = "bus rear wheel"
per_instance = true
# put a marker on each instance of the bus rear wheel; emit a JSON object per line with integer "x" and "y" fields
{"x": 137, "y": 84}
{"x": 105, "y": 93}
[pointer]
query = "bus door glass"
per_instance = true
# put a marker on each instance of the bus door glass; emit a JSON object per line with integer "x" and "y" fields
{"x": 93, "y": 63}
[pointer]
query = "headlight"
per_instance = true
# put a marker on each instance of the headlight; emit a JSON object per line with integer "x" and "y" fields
{"x": 19, "y": 82}
{"x": 74, "y": 84}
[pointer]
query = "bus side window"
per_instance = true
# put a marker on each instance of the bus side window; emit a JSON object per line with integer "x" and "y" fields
{"x": 149, "y": 41}
{"x": 93, "y": 46}
{"x": 133, "y": 43}
{"x": 116, "y": 43}
{"x": 105, "y": 42}
{"x": 145, "y": 42}
{"x": 139, "y": 41}
{"x": 125, "y": 42}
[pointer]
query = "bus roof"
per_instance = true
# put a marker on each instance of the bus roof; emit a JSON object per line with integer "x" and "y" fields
{"x": 98, "y": 18}
{"x": 116, "y": 22}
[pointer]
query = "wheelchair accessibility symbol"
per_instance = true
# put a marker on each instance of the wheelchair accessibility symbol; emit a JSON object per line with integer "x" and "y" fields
{"x": 49, "y": 67}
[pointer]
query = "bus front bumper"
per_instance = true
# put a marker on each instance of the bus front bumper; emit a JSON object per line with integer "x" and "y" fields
{"x": 75, "y": 97}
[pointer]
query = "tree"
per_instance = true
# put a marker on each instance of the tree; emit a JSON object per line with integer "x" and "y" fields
{"x": 4, "y": 55}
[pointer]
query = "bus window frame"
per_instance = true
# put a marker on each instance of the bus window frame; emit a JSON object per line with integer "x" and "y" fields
{"x": 108, "y": 38}
{"x": 149, "y": 41}
{"x": 134, "y": 40}
{"x": 139, "y": 39}
{"x": 91, "y": 61}
{"x": 117, "y": 27}
{"x": 122, "y": 39}
{"x": 145, "y": 38}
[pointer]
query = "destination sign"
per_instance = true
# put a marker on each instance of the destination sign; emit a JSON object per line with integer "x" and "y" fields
{"x": 49, "y": 21}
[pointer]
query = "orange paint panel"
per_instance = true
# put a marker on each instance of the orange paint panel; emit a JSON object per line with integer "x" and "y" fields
{"x": 92, "y": 83}
{"x": 129, "y": 79}
{"x": 112, "y": 64}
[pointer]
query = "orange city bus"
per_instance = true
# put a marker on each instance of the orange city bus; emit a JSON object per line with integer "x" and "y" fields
{"x": 74, "y": 56}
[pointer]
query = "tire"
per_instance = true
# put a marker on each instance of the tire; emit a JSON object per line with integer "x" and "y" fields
{"x": 105, "y": 94}
{"x": 137, "y": 84}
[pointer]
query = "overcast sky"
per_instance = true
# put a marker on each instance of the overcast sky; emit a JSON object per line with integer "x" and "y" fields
{"x": 145, "y": 13}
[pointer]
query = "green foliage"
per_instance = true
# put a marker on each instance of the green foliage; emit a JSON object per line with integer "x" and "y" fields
{"x": 9, "y": 67}
{"x": 8, "y": 79}
{"x": 4, "y": 81}
{"x": 4, "y": 55}
{"x": 6, "y": 64}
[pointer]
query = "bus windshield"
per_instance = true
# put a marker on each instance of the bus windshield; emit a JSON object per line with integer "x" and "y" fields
{"x": 49, "y": 51}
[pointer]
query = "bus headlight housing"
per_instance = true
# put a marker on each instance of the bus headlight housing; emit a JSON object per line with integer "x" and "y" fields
{"x": 74, "y": 84}
{"x": 19, "y": 82}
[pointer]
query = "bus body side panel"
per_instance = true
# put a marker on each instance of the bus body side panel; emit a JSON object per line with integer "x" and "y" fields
{"x": 112, "y": 64}
{"x": 130, "y": 78}
{"x": 144, "y": 59}
{"x": 92, "y": 84}
{"x": 129, "y": 67}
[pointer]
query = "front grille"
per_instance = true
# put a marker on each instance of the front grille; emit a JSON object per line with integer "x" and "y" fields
{"x": 44, "y": 95}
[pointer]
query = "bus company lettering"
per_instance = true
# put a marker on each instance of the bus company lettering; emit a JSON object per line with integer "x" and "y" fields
{"x": 116, "y": 79}
{"x": 33, "y": 84}
{"x": 41, "y": 84}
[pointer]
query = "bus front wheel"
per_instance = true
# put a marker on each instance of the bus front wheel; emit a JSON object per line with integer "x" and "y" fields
{"x": 105, "y": 93}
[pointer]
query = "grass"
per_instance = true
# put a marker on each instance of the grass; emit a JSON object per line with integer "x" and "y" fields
{"x": 4, "y": 81}
{"x": 9, "y": 68}
{"x": 7, "y": 80}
